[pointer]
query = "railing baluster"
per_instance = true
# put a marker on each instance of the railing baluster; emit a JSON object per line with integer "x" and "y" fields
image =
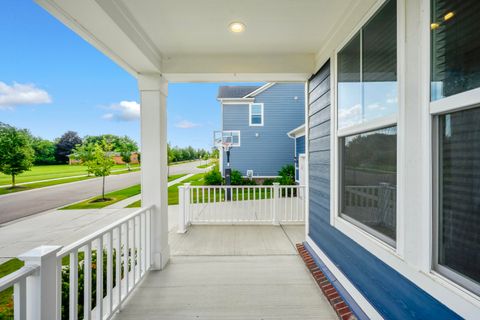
{"x": 99, "y": 265}
{"x": 118, "y": 265}
{"x": 109, "y": 248}
{"x": 59, "y": 289}
{"x": 73, "y": 286}
{"x": 126, "y": 258}
{"x": 134, "y": 253}
{"x": 87, "y": 282}
{"x": 20, "y": 299}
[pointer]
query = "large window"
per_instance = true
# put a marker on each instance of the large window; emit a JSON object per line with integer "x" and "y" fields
{"x": 369, "y": 181}
{"x": 367, "y": 71}
{"x": 256, "y": 114}
{"x": 455, "y": 48}
{"x": 367, "y": 99}
{"x": 459, "y": 202}
{"x": 455, "y": 68}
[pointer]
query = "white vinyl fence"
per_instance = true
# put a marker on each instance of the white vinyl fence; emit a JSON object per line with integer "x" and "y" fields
{"x": 90, "y": 278}
{"x": 240, "y": 205}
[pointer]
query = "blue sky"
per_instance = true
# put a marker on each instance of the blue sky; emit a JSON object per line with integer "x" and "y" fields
{"x": 52, "y": 81}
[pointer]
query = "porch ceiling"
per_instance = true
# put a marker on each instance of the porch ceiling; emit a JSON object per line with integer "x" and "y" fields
{"x": 185, "y": 38}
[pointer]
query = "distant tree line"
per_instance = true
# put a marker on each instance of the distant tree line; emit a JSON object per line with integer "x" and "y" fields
{"x": 176, "y": 154}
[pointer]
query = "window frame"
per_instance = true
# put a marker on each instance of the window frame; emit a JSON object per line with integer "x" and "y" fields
{"x": 457, "y": 102}
{"x": 355, "y": 229}
{"x": 250, "y": 105}
{"x": 234, "y": 132}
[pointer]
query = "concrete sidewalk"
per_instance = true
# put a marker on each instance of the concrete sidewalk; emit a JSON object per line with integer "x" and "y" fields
{"x": 61, "y": 227}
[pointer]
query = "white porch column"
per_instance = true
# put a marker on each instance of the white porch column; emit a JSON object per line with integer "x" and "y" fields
{"x": 153, "y": 110}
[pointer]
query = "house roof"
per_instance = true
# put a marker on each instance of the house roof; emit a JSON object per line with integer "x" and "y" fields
{"x": 233, "y": 92}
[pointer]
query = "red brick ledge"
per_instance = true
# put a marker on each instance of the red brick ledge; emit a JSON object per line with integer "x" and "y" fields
{"x": 339, "y": 305}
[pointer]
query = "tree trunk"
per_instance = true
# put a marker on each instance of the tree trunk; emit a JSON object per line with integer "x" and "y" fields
{"x": 13, "y": 180}
{"x": 103, "y": 188}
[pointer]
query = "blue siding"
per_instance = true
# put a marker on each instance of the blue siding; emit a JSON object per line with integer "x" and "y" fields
{"x": 272, "y": 149}
{"x": 394, "y": 296}
{"x": 300, "y": 148}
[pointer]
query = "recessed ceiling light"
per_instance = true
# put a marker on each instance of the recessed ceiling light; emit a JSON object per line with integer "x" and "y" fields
{"x": 236, "y": 27}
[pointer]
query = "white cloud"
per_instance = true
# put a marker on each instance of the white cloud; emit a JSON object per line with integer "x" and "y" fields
{"x": 22, "y": 94}
{"x": 185, "y": 124}
{"x": 123, "y": 111}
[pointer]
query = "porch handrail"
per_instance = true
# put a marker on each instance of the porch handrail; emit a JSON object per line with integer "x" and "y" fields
{"x": 244, "y": 204}
{"x": 115, "y": 257}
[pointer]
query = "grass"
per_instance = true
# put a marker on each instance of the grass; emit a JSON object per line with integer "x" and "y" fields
{"x": 203, "y": 166}
{"x": 195, "y": 180}
{"x": 38, "y": 173}
{"x": 5, "y": 269}
{"x": 113, "y": 197}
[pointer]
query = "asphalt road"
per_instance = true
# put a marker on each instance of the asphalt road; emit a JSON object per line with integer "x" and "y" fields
{"x": 22, "y": 204}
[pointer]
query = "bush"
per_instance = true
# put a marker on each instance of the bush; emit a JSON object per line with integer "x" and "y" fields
{"x": 236, "y": 178}
{"x": 248, "y": 182}
{"x": 213, "y": 177}
{"x": 268, "y": 182}
{"x": 287, "y": 175}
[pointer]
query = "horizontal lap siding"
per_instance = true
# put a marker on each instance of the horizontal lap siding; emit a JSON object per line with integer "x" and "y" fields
{"x": 272, "y": 149}
{"x": 394, "y": 296}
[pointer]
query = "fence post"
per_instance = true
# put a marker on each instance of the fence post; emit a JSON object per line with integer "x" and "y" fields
{"x": 181, "y": 207}
{"x": 42, "y": 286}
{"x": 275, "y": 204}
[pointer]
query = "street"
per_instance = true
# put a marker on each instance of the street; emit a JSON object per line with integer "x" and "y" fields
{"x": 22, "y": 204}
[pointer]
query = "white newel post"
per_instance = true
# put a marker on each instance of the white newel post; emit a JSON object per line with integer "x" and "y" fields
{"x": 42, "y": 286}
{"x": 276, "y": 199}
{"x": 187, "y": 203}
{"x": 153, "y": 110}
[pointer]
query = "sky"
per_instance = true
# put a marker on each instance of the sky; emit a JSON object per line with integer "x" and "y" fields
{"x": 52, "y": 81}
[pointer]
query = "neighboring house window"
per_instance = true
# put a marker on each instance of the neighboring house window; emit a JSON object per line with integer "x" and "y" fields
{"x": 256, "y": 114}
{"x": 455, "y": 74}
{"x": 367, "y": 95}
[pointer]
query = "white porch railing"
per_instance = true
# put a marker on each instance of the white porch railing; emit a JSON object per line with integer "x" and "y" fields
{"x": 67, "y": 283}
{"x": 240, "y": 205}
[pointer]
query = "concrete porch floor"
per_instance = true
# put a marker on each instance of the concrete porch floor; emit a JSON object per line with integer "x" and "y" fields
{"x": 231, "y": 272}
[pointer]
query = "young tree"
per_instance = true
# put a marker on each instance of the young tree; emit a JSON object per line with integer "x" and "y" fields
{"x": 84, "y": 152}
{"x": 65, "y": 145}
{"x": 101, "y": 163}
{"x": 16, "y": 152}
{"x": 126, "y": 147}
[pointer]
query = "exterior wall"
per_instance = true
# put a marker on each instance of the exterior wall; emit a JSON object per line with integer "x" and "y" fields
{"x": 299, "y": 149}
{"x": 266, "y": 153}
{"x": 390, "y": 293}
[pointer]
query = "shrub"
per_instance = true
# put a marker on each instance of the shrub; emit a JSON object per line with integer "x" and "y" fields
{"x": 268, "y": 182}
{"x": 213, "y": 177}
{"x": 248, "y": 182}
{"x": 236, "y": 178}
{"x": 287, "y": 175}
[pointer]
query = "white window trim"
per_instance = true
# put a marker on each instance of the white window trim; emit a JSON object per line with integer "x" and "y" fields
{"x": 239, "y": 137}
{"x": 372, "y": 243}
{"x": 250, "y": 115}
{"x": 465, "y": 100}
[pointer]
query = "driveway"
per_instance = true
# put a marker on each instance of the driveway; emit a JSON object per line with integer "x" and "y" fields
{"x": 23, "y": 204}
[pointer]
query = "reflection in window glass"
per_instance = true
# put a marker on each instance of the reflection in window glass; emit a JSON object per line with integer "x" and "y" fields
{"x": 369, "y": 181}
{"x": 379, "y": 64}
{"x": 455, "y": 47}
{"x": 459, "y": 184}
{"x": 349, "y": 85}
{"x": 367, "y": 71}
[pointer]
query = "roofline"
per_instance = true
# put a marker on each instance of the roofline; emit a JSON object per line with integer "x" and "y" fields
{"x": 296, "y": 130}
{"x": 234, "y": 100}
{"x": 259, "y": 90}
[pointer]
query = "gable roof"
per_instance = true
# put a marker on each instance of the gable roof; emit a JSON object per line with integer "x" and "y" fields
{"x": 235, "y": 92}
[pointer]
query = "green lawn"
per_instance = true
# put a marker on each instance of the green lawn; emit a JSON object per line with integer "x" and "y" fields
{"x": 7, "y": 294}
{"x": 115, "y": 196}
{"x": 195, "y": 180}
{"x": 203, "y": 166}
{"x": 38, "y": 173}
{"x": 41, "y": 173}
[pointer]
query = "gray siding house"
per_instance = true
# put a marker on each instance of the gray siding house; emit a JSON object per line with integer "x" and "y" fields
{"x": 261, "y": 117}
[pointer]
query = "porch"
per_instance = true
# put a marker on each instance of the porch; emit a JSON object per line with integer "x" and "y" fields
{"x": 230, "y": 272}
